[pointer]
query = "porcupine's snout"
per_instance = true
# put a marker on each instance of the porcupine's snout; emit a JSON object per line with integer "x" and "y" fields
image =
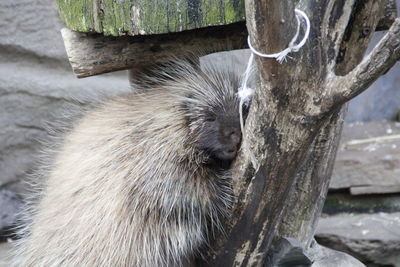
{"x": 234, "y": 138}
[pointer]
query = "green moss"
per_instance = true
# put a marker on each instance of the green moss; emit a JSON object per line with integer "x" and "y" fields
{"x": 113, "y": 17}
{"x": 234, "y": 11}
{"x": 153, "y": 17}
{"x": 213, "y": 14}
{"x": 77, "y": 15}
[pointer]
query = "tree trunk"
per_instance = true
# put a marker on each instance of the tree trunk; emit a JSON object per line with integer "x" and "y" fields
{"x": 295, "y": 121}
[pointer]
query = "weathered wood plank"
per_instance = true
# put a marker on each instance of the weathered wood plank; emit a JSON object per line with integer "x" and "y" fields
{"x": 365, "y": 190}
{"x": 92, "y": 54}
{"x": 144, "y": 17}
{"x": 368, "y": 160}
{"x": 343, "y": 202}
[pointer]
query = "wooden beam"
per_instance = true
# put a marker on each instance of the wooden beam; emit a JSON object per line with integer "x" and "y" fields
{"x": 93, "y": 54}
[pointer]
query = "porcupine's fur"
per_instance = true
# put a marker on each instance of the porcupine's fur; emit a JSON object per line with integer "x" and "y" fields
{"x": 143, "y": 179}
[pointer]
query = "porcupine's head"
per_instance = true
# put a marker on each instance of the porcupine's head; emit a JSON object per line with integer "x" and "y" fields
{"x": 213, "y": 111}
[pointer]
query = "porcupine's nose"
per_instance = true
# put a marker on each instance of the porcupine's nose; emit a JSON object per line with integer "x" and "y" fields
{"x": 234, "y": 136}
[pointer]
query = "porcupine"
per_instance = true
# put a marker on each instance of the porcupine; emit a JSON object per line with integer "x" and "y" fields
{"x": 142, "y": 179}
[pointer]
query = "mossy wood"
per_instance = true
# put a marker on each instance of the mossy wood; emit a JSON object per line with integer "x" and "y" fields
{"x": 144, "y": 17}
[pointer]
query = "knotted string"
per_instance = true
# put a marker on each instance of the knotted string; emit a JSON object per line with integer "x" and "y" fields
{"x": 245, "y": 93}
{"x": 293, "y": 47}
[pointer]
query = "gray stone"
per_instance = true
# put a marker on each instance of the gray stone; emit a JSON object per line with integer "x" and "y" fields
{"x": 371, "y": 238}
{"x": 5, "y": 250}
{"x": 9, "y": 205}
{"x": 31, "y": 27}
{"x": 290, "y": 252}
{"x": 326, "y": 257}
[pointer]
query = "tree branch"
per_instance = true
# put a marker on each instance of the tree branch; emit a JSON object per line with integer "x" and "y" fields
{"x": 381, "y": 59}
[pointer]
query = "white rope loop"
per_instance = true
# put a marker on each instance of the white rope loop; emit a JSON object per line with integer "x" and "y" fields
{"x": 281, "y": 56}
{"x": 245, "y": 93}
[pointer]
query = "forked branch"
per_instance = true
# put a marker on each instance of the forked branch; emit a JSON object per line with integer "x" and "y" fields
{"x": 380, "y": 60}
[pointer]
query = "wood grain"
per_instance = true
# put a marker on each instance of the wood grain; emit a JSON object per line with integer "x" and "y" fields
{"x": 146, "y": 17}
{"x": 93, "y": 54}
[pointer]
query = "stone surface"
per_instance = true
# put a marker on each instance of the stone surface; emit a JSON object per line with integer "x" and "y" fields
{"x": 326, "y": 257}
{"x": 35, "y": 83}
{"x": 291, "y": 253}
{"x": 371, "y": 238}
{"x": 31, "y": 28}
{"x": 10, "y": 204}
{"x": 5, "y": 249}
{"x": 368, "y": 160}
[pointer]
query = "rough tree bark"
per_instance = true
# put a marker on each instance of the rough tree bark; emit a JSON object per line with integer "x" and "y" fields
{"x": 297, "y": 105}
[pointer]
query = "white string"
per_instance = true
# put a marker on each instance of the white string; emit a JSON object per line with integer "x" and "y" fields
{"x": 281, "y": 56}
{"x": 245, "y": 93}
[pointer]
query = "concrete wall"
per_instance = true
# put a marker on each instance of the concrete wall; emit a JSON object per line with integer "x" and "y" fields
{"x": 382, "y": 100}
